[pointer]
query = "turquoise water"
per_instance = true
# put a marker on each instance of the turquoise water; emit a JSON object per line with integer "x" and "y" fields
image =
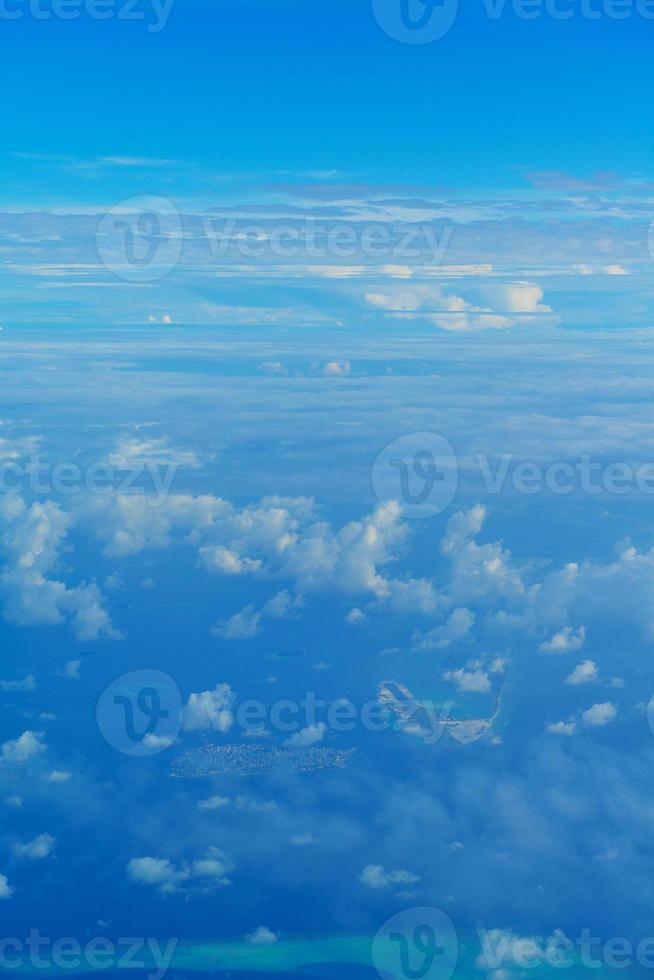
{"x": 347, "y": 956}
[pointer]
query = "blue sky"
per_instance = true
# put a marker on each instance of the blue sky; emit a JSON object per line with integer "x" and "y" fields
{"x": 277, "y": 85}
{"x": 325, "y": 369}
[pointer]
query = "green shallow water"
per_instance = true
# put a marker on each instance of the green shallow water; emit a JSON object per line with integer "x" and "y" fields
{"x": 301, "y": 954}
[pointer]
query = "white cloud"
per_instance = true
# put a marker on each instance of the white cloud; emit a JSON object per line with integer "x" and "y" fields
{"x": 512, "y": 304}
{"x": 518, "y": 297}
{"x": 469, "y": 681}
{"x": 599, "y": 715}
{"x": 40, "y": 847}
{"x": 501, "y": 947}
{"x": 31, "y": 541}
{"x": 23, "y": 748}
{"x": 302, "y": 840}
{"x": 217, "y": 558}
{"x": 562, "y": 728}
{"x": 158, "y": 872}
{"x": 278, "y": 537}
{"x": 282, "y": 605}
{"x": 242, "y": 625}
{"x": 584, "y": 673}
{"x": 262, "y": 936}
{"x": 337, "y": 369}
{"x": 59, "y": 776}
{"x": 27, "y": 684}
{"x": 209, "y": 710}
{"x": 246, "y": 624}
{"x": 132, "y": 452}
{"x": 615, "y": 270}
{"x": 6, "y": 891}
{"x": 456, "y": 628}
{"x": 213, "y": 803}
{"x": 566, "y": 640}
{"x": 374, "y": 876}
{"x": 203, "y": 875}
{"x": 355, "y": 617}
{"x": 310, "y": 735}
{"x": 157, "y": 742}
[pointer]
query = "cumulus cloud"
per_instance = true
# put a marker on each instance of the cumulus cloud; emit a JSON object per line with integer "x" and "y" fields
{"x": 71, "y": 670}
{"x": 157, "y": 742}
{"x": 374, "y": 876}
{"x": 246, "y": 624}
{"x": 27, "y": 684}
{"x": 562, "y": 728}
{"x": 213, "y": 803}
{"x": 337, "y": 369}
{"x": 40, "y": 847}
{"x": 283, "y": 605}
{"x": 504, "y": 948}
{"x": 31, "y": 540}
{"x": 512, "y": 304}
{"x": 203, "y": 875}
{"x": 584, "y": 673}
{"x": 302, "y": 840}
{"x": 59, "y": 776}
{"x": 469, "y": 681}
{"x": 21, "y": 749}
{"x": 6, "y": 891}
{"x": 262, "y": 936}
{"x": 566, "y": 640}
{"x": 133, "y": 452}
{"x": 456, "y": 628}
{"x": 219, "y": 559}
{"x": 310, "y": 735}
{"x": 209, "y": 710}
{"x": 599, "y": 715}
{"x": 242, "y": 625}
{"x": 159, "y": 872}
{"x": 545, "y": 603}
{"x": 278, "y": 537}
